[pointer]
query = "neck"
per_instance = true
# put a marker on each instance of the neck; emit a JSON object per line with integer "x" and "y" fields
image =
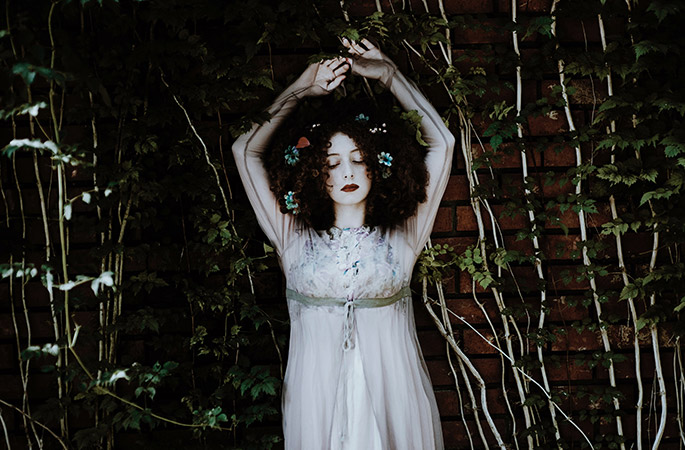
{"x": 350, "y": 216}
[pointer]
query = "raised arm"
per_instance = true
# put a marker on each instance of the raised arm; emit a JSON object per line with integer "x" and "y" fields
{"x": 317, "y": 79}
{"x": 370, "y": 62}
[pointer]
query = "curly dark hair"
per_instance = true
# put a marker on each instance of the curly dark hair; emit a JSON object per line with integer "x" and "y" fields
{"x": 298, "y": 171}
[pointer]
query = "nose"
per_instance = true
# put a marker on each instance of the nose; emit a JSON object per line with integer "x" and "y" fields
{"x": 349, "y": 172}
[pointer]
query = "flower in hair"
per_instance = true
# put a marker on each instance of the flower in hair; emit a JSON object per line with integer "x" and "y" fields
{"x": 292, "y": 155}
{"x": 385, "y": 160}
{"x": 303, "y": 142}
{"x": 381, "y": 129}
{"x": 361, "y": 117}
{"x": 290, "y": 202}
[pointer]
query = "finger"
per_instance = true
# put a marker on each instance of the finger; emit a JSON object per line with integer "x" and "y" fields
{"x": 352, "y": 47}
{"x": 366, "y": 43}
{"x": 358, "y": 48}
{"x": 335, "y": 83}
{"x": 342, "y": 67}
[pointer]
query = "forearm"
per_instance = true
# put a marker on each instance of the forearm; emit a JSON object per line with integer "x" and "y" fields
{"x": 433, "y": 129}
{"x": 255, "y": 142}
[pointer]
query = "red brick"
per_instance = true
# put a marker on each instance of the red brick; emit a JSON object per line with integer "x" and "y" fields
{"x": 569, "y": 370}
{"x": 8, "y": 357}
{"x": 560, "y": 310}
{"x": 523, "y": 6}
{"x": 457, "y": 189}
{"x": 512, "y": 185}
{"x": 472, "y": 313}
{"x": 466, "y": 284}
{"x": 443, "y": 220}
{"x": 550, "y": 124}
{"x": 556, "y": 188}
{"x": 568, "y": 218}
{"x": 571, "y": 340}
{"x": 487, "y": 31}
{"x": 561, "y": 246}
{"x": 585, "y": 91}
{"x": 448, "y": 402}
{"x": 455, "y": 434}
{"x": 466, "y": 219}
{"x": 432, "y": 343}
{"x": 467, "y": 6}
{"x": 440, "y": 372}
{"x": 602, "y": 216}
{"x": 464, "y": 60}
{"x": 507, "y": 156}
{"x": 25, "y": 168}
{"x": 489, "y": 368}
{"x": 525, "y": 246}
{"x": 577, "y": 30}
{"x": 507, "y": 222}
{"x": 477, "y": 345}
{"x": 560, "y": 155}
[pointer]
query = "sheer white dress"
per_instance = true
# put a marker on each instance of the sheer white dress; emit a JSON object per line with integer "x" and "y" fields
{"x": 355, "y": 377}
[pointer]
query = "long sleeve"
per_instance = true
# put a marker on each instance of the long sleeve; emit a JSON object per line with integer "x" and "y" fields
{"x": 438, "y": 159}
{"x": 247, "y": 151}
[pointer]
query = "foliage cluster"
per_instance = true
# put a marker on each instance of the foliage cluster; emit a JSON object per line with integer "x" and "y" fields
{"x": 133, "y": 103}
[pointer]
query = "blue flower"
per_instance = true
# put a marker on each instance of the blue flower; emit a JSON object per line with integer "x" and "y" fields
{"x": 292, "y": 155}
{"x": 290, "y": 202}
{"x": 361, "y": 117}
{"x": 385, "y": 159}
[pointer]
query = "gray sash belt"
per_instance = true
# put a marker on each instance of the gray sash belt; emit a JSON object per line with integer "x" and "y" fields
{"x": 349, "y": 304}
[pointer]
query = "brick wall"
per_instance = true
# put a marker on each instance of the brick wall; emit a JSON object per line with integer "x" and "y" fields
{"x": 455, "y": 225}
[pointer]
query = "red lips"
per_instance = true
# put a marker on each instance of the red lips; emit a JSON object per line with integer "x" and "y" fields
{"x": 349, "y": 188}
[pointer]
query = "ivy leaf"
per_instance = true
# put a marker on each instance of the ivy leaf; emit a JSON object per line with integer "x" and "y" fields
{"x": 662, "y": 9}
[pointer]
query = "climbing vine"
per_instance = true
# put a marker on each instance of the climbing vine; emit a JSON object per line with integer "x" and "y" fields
{"x": 141, "y": 293}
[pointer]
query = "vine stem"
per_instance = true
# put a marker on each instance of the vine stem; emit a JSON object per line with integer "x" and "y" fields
{"x": 447, "y": 326}
{"x": 462, "y": 356}
{"x": 622, "y": 265}
{"x": 4, "y": 429}
{"x": 654, "y": 335}
{"x": 531, "y": 219}
{"x": 475, "y": 204}
{"x": 211, "y": 165}
{"x": 60, "y": 197}
{"x": 465, "y": 130}
{"x": 32, "y": 420}
{"x": 583, "y": 234}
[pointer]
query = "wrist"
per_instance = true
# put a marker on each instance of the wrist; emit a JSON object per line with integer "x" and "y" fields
{"x": 388, "y": 74}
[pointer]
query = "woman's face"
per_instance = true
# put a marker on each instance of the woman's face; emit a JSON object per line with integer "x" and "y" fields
{"x": 349, "y": 181}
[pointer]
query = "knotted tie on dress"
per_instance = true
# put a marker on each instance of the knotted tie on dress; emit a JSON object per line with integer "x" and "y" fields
{"x": 349, "y": 303}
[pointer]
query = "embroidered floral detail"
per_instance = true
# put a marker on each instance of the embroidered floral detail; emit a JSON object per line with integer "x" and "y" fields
{"x": 290, "y": 202}
{"x": 361, "y": 117}
{"x": 292, "y": 155}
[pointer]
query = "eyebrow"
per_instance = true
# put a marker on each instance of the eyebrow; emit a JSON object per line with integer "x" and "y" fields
{"x": 338, "y": 154}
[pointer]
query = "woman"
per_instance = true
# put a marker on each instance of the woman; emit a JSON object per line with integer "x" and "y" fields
{"x": 355, "y": 377}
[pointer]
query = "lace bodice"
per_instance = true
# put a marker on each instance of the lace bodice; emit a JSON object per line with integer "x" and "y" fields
{"x": 350, "y": 262}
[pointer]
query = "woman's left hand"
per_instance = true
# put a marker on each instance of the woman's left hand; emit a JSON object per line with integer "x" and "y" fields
{"x": 369, "y": 61}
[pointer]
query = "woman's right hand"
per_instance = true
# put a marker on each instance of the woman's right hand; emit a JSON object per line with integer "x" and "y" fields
{"x": 323, "y": 77}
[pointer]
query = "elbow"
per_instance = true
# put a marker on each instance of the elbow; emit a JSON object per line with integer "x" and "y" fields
{"x": 450, "y": 140}
{"x": 238, "y": 146}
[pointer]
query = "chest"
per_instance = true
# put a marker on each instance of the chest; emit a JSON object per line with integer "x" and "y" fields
{"x": 357, "y": 262}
